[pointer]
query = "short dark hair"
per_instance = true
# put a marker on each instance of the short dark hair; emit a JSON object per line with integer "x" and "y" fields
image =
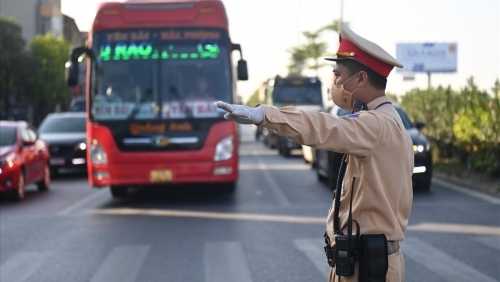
{"x": 353, "y": 67}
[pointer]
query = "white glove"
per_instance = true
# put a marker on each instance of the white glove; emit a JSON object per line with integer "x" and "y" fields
{"x": 242, "y": 114}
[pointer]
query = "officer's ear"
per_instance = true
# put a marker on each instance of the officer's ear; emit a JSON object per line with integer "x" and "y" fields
{"x": 362, "y": 78}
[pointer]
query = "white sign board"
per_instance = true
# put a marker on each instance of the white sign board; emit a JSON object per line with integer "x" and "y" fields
{"x": 427, "y": 57}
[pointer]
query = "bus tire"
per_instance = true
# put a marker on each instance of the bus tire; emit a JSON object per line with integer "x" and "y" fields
{"x": 119, "y": 191}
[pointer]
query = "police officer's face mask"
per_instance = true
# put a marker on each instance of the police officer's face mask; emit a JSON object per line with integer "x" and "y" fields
{"x": 342, "y": 97}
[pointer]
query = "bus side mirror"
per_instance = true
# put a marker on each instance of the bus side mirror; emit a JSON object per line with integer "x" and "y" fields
{"x": 242, "y": 64}
{"x": 71, "y": 73}
{"x": 72, "y": 70}
{"x": 242, "y": 70}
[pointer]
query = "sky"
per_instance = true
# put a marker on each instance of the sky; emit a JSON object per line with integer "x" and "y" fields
{"x": 266, "y": 29}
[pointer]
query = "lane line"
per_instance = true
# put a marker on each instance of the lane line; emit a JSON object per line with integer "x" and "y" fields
{"x": 225, "y": 262}
{"x": 122, "y": 264}
{"x": 426, "y": 226}
{"x": 313, "y": 249}
{"x": 440, "y": 263}
{"x": 478, "y": 195}
{"x": 77, "y": 205}
{"x": 22, "y": 266}
{"x": 212, "y": 215}
{"x": 273, "y": 167}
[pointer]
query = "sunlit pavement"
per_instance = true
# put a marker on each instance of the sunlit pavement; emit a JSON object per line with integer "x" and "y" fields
{"x": 270, "y": 229}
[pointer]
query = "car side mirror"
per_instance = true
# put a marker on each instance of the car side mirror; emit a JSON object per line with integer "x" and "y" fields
{"x": 419, "y": 125}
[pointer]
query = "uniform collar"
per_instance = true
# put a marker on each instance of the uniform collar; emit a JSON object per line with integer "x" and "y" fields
{"x": 374, "y": 103}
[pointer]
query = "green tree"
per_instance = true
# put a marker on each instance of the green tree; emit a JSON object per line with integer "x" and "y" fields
{"x": 48, "y": 88}
{"x": 12, "y": 56}
{"x": 315, "y": 49}
{"x": 298, "y": 60}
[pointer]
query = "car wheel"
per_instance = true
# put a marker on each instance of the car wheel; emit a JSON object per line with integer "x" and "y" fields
{"x": 119, "y": 191}
{"x": 21, "y": 187}
{"x": 44, "y": 184}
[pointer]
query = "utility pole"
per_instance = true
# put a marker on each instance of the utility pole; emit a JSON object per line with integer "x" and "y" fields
{"x": 341, "y": 10}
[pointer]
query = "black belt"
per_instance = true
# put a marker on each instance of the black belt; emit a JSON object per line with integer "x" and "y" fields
{"x": 392, "y": 247}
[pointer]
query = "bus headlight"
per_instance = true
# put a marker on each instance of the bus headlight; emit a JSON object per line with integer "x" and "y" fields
{"x": 224, "y": 149}
{"x": 97, "y": 153}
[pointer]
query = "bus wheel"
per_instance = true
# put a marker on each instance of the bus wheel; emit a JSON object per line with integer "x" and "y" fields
{"x": 119, "y": 191}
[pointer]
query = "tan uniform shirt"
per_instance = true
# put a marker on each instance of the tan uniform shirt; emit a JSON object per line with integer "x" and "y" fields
{"x": 381, "y": 159}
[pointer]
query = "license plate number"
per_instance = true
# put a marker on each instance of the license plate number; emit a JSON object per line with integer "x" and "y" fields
{"x": 57, "y": 161}
{"x": 160, "y": 175}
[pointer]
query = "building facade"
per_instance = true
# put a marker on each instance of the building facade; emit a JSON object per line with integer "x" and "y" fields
{"x": 34, "y": 16}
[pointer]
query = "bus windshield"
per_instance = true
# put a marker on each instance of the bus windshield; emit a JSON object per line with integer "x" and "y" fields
{"x": 159, "y": 74}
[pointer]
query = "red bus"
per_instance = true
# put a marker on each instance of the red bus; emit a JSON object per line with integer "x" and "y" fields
{"x": 154, "y": 70}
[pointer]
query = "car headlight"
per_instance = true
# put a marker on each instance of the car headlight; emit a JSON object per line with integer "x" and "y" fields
{"x": 421, "y": 148}
{"x": 80, "y": 146}
{"x": 97, "y": 153}
{"x": 8, "y": 160}
{"x": 224, "y": 149}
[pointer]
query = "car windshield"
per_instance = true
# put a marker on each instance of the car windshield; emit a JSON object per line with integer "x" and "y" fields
{"x": 63, "y": 124}
{"x": 7, "y": 135}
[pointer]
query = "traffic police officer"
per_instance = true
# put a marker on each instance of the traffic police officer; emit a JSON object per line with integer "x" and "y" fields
{"x": 379, "y": 149}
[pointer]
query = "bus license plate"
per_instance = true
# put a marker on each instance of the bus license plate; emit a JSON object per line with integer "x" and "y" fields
{"x": 161, "y": 175}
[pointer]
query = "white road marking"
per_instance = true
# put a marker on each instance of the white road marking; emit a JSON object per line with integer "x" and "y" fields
{"x": 77, "y": 205}
{"x": 478, "y": 195}
{"x": 225, "y": 262}
{"x": 274, "y": 167}
{"x": 212, "y": 215}
{"x": 122, "y": 264}
{"x": 313, "y": 249}
{"x": 440, "y": 263}
{"x": 22, "y": 266}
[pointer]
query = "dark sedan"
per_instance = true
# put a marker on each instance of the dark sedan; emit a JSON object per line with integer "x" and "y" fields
{"x": 66, "y": 135}
{"x": 328, "y": 162}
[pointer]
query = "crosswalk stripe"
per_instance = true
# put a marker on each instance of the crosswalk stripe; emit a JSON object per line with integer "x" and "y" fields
{"x": 122, "y": 264}
{"x": 20, "y": 267}
{"x": 313, "y": 249}
{"x": 225, "y": 262}
{"x": 440, "y": 263}
{"x": 488, "y": 241}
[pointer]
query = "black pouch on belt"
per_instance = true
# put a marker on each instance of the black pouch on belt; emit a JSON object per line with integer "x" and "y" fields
{"x": 374, "y": 261}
